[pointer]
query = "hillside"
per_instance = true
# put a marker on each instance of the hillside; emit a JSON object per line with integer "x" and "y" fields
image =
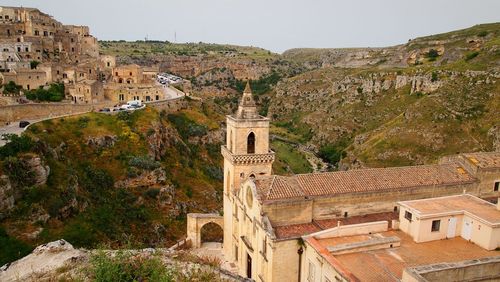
{"x": 402, "y": 105}
{"x": 116, "y": 179}
{"x": 121, "y": 180}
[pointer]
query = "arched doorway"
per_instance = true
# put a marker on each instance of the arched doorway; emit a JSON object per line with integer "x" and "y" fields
{"x": 251, "y": 143}
{"x": 211, "y": 232}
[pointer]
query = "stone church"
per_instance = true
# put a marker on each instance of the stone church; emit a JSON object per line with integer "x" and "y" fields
{"x": 266, "y": 215}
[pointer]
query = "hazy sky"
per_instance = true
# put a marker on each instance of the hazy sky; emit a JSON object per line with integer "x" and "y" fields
{"x": 273, "y": 24}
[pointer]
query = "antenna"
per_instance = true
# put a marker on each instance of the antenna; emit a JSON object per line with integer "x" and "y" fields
{"x": 175, "y": 36}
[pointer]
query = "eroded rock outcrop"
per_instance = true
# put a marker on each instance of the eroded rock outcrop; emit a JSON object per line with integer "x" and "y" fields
{"x": 145, "y": 179}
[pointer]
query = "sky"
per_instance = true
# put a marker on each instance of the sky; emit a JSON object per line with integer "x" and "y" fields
{"x": 276, "y": 25}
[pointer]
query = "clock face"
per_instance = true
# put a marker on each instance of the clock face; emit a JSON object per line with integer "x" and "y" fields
{"x": 249, "y": 197}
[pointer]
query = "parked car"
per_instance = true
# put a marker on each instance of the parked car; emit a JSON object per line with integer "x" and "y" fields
{"x": 3, "y": 137}
{"x": 23, "y": 123}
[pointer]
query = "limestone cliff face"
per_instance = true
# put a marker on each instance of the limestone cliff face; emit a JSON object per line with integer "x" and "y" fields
{"x": 40, "y": 170}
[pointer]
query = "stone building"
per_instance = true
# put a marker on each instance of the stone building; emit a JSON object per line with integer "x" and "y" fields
{"x": 431, "y": 241}
{"x": 87, "y": 92}
{"x": 265, "y": 215}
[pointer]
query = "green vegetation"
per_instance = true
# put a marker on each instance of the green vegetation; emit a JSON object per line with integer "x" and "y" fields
{"x": 86, "y": 205}
{"x": 333, "y": 153}
{"x": 471, "y": 55}
{"x": 288, "y": 159}
{"x": 34, "y": 64}
{"x": 124, "y": 266}
{"x": 11, "y": 248}
{"x": 55, "y": 93}
{"x": 15, "y": 145}
{"x": 12, "y": 88}
{"x": 432, "y": 55}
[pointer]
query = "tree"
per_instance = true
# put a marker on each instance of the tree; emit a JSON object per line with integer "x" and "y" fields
{"x": 34, "y": 64}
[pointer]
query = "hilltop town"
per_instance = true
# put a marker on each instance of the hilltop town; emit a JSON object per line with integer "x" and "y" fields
{"x": 38, "y": 52}
{"x": 161, "y": 161}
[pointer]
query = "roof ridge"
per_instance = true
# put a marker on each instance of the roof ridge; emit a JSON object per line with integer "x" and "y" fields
{"x": 270, "y": 187}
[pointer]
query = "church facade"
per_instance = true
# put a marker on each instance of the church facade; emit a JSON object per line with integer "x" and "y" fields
{"x": 265, "y": 216}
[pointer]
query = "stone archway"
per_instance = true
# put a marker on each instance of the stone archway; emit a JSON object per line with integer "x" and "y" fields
{"x": 195, "y": 223}
{"x": 211, "y": 232}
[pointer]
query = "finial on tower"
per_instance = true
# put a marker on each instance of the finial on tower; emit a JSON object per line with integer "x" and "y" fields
{"x": 248, "y": 89}
{"x": 247, "y": 107}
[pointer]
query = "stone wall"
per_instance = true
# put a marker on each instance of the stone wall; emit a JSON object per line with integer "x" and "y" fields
{"x": 14, "y": 113}
{"x": 172, "y": 105}
{"x": 470, "y": 270}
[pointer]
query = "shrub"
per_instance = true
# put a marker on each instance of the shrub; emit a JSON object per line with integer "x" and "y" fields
{"x": 34, "y": 64}
{"x": 16, "y": 144}
{"x": 333, "y": 153}
{"x": 471, "y": 56}
{"x": 18, "y": 171}
{"x": 125, "y": 267}
{"x": 12, "y": 88}
{"x": 482, "y": 33}
{"x": 432, "y": 54}
{"x": 186, "y": 127}
{"x": 55, "y": 93}
{"x": 434, "y": 76}
{"x": 144, "y": 162}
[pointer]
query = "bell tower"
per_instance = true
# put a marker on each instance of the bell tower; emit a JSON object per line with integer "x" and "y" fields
{"x": 246, "y": 154}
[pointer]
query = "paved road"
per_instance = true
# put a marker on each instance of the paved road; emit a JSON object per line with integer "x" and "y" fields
{"x": 12, "y": 128}
{"x": 171, "y": 92}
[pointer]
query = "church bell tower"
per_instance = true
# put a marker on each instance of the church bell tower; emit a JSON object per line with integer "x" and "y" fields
{"x": 246, "y": 154}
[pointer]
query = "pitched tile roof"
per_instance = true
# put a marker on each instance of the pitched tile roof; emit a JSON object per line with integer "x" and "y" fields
{"x": 303, "y": 186}
{"x": 484, "y": 159}
{"x": 297, "y": 230}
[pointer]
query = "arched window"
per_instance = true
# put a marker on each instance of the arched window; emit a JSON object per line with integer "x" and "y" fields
{"x": 251, "y": 143}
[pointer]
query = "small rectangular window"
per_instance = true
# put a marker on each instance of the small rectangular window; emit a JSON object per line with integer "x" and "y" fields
{"x": 497, "y": 186}
{"x": 408, "y": 215}
{"x": 435, "y": 225}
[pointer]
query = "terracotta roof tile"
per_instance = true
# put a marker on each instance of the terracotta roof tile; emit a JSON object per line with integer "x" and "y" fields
{"x": 298, "y": 230}
{"x": 360, "y": 180}
{"x": 484, "y": 159}
{"x": 295, "y": 230}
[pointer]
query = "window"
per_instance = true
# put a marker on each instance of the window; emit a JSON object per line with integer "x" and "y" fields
{"x": 235, "y": 252}
{"x": 435, "y": 225}
{"x": 109, "y": 64}
{"x": 310, "y": 273}
{"x": 121, "y": 97}
{"x": 497, "y": 186}
{"x": 408, "y": 215}
{"x": 251, "y": 143}
{"x": 345, "y": 214}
